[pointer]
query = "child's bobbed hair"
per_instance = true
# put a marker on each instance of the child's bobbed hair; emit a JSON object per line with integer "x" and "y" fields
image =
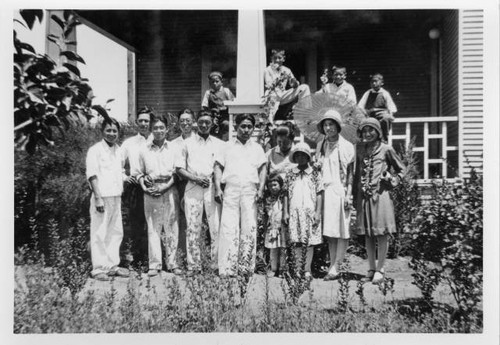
{"x": 275, "y": 177}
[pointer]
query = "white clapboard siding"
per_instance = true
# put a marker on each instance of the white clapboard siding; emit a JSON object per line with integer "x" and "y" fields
{"x": 471, "y": 90}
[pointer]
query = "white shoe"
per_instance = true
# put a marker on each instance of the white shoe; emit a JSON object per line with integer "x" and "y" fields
{"x": 378, "y": 277}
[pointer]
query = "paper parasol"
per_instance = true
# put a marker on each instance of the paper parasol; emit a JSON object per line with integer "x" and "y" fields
{"x": 310, "y": 110}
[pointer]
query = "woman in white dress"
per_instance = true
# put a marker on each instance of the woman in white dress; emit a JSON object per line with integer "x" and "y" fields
{"x": 336, "y": 157}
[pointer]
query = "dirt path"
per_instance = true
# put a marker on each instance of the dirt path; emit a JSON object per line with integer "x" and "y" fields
{"x": 323, "y": 293}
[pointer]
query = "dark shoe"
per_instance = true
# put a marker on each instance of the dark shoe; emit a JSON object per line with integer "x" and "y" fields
{"x": 369, "y": 276}
{"x": 119, "y": 272}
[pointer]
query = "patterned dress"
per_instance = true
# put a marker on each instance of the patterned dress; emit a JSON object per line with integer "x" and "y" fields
{"x": 275, "y": 236}
{"x": 302, "y": 187}
{"x": 374, "y": 206}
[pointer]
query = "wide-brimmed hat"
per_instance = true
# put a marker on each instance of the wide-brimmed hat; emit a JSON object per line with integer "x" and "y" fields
{"x": 370, "y": 122}
{"x": 330, "y": 115}
{"x": 300, "y": 147}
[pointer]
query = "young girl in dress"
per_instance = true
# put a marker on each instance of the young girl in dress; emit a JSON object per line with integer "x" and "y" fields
{"x": 378, "y": 170}
{"x": 275, "y": 235}
{"x": 336, "y": 157}
{"x": 302, "y": 204}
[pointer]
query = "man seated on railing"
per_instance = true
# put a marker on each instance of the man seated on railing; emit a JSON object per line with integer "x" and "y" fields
{"x": 281, "y": 86}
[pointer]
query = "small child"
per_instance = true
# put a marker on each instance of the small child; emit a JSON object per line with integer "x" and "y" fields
{"x": 275, "y": 235}
{"x": 339, "y": 86}
{"x": 325, "y": 79}
{"x": 302, "y": 204}
{"x": 213, "y": 101}
{"x": 378, "y": 103}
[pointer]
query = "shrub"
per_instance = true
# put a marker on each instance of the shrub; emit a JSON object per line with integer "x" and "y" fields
{"x": 450, "y": 236}
{"x": 52, "y": 184}
{"x": 49, "y": 94}
{"x": 406, "y": 197}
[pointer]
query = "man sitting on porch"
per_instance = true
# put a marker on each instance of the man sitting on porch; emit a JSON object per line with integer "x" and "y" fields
{"x": 281, "y": 86}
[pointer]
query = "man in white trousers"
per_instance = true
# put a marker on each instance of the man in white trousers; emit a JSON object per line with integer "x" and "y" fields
{"x": 156, "y": 176}
{"x": 241, "y": 167}
{"x": 104, "y": 170}
{"x": 196, "y": 165}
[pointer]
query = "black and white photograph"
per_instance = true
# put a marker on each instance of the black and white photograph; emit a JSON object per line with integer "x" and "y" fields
{"x": 234, "y": 173}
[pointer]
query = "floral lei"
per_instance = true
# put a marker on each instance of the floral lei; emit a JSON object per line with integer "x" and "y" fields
{"x": 366, "y": 177}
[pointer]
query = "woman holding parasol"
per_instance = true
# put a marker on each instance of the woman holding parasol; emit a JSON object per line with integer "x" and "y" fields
{"x": 332, "y": 121}
{"x": 336, "y": 158}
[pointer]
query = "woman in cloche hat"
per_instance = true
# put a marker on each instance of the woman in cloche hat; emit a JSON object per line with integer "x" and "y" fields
{"x": 336, "y": 157}
{"x": 378, "y": 170}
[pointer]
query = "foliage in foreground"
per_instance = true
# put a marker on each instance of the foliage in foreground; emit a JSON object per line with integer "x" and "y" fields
{"x": 448, "y": 245}
{"x": 205, "y": 303}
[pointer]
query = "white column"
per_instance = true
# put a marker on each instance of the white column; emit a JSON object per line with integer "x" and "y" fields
{"x": 251, "y": 61}
{"x": 250, "y": 65}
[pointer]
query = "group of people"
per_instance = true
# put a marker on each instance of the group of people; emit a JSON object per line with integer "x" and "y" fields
{"x": 307, "y": 197}
{"x": 283, "y": 88}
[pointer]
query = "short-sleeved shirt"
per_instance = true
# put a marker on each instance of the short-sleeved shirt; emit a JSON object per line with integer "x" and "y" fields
{"x": 241, "y": 162}
{"x": 131, "y": 148}
{"x": 344, "y": 90}
{"x": 378, "y": 99}
{"x": 106, "y": 163}
{"x": 157, "y": 162}
{"x": 197, "y": 155}
{"x": 278, "y": 162}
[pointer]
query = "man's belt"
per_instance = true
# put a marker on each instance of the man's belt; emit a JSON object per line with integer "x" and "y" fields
{"x": 161, "y": 180}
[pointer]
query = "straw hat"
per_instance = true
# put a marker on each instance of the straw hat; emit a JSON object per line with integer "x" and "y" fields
{"x": 330, "y": 115}
{"x": 300, "y": 147}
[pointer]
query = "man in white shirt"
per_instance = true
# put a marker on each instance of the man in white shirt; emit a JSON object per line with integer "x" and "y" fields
{"x": 134, "y": 195}
{"x": 196, "y": 166}
{"x": 104, "y": 170}
{"x": 241, "y": 167}
{"x": 281, "y": 86}
{"x": 156, "y": 175}
{"x": 185, "y": 122}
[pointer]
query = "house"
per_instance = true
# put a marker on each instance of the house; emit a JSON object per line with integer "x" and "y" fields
{"x": 432, "y": 61}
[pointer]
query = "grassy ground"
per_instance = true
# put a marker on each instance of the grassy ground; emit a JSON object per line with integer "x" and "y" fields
{"x": 206, "y": 303}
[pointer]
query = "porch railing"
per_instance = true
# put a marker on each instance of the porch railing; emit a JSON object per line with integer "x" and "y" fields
{"x": 437, "y": 158}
